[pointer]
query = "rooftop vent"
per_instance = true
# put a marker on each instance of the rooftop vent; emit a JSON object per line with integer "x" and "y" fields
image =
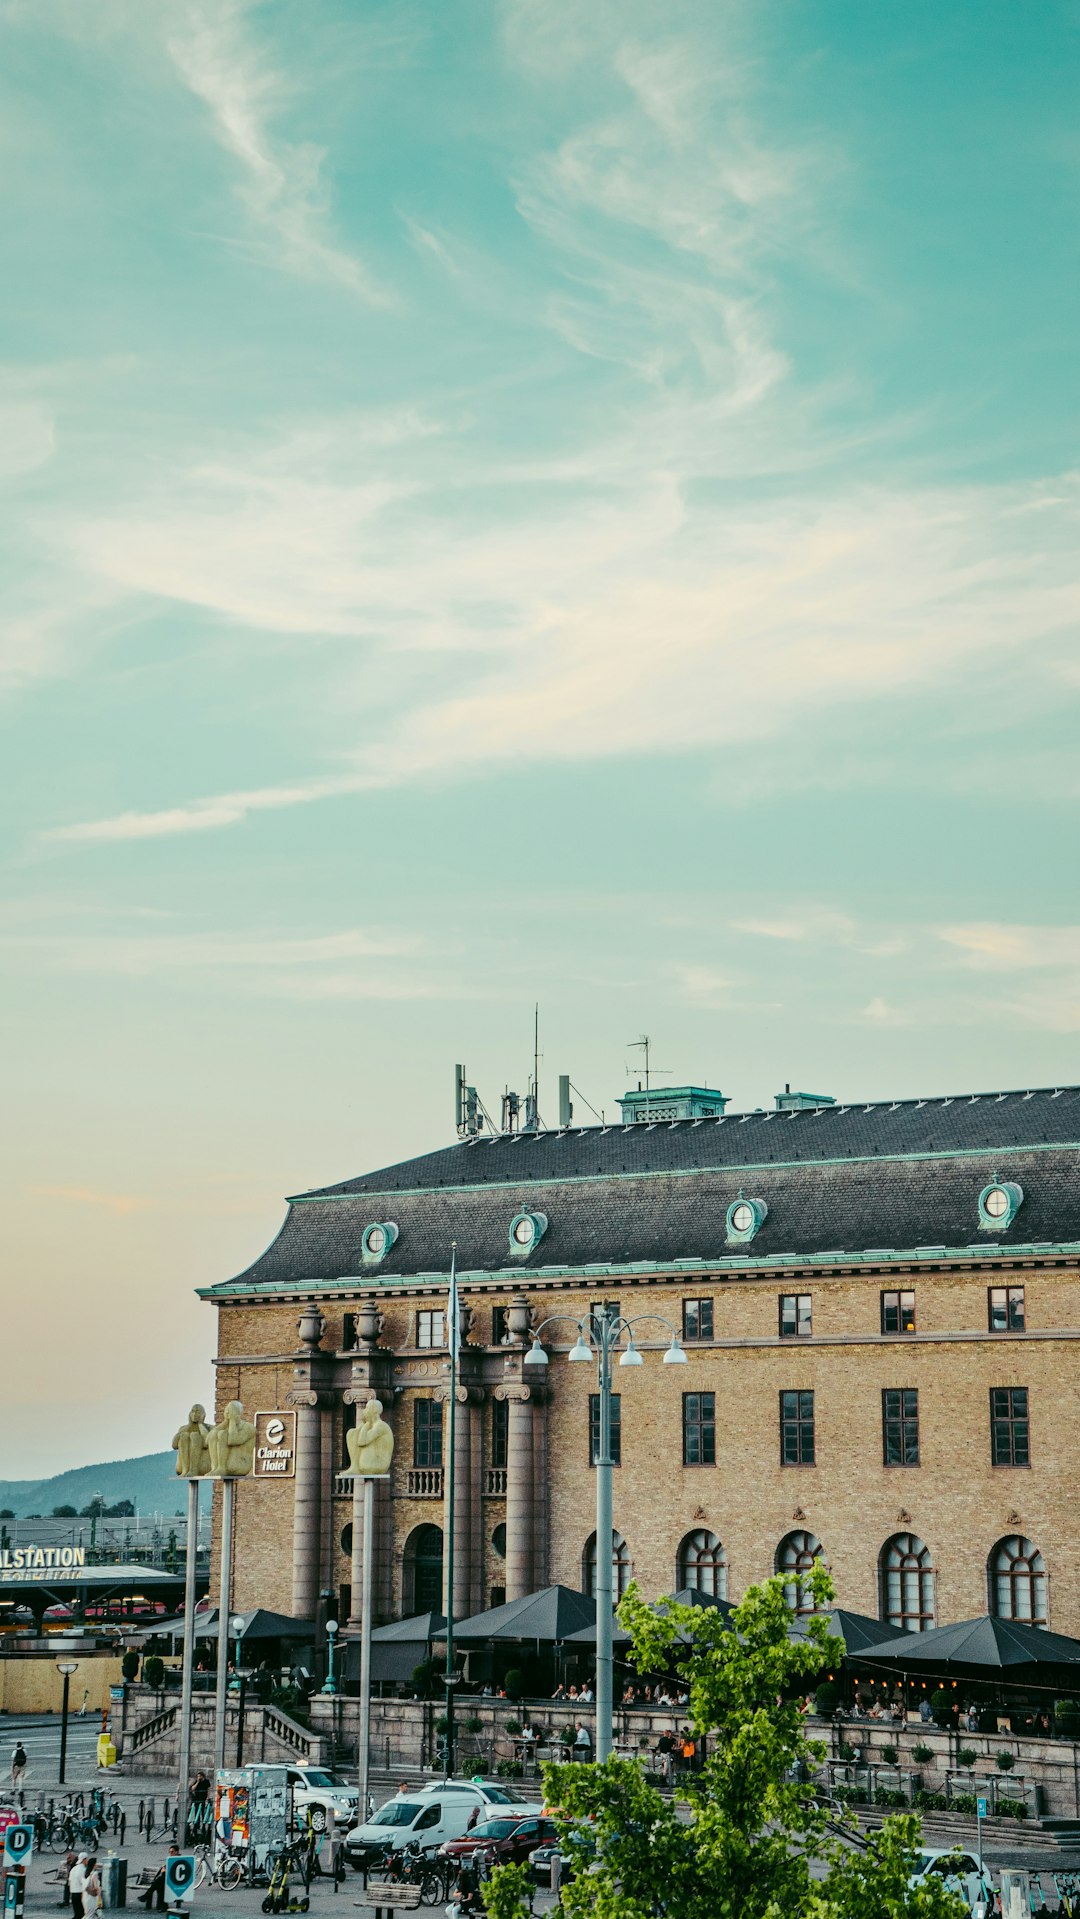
{"x": 674, "y": 1102}
{"x": 789, "y": 1102}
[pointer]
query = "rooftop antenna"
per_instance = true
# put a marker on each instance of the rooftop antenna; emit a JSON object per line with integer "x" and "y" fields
{"x": 644, "y": 1045}
{"x": 532, "y": 1097}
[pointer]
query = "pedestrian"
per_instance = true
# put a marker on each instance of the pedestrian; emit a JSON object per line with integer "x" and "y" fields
{"x": 925, "y": 1712}
{"x": 664, "y": 1750}
{"x": 18, "y": 1767}
{"x": 155, "y": 1891}
{"x": 77, "y": 1886}
{"x": 65, "y": 1889}
{"x": 92, "y": 1892}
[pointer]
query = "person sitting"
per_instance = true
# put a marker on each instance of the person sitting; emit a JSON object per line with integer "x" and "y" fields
{"x": 925, "y": 1710}
{"x": 560, "y": 1691}
{"x": 628, "y": 1696}
{"x": 585, "y": 1696}
{"x": 155, "y": 1891}
{"x": 582, "y": 1747}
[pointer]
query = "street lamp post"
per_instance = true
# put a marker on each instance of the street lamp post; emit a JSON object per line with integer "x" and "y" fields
{"x": 599, "y": 1334}
{"x": 330, "y": 1687}
{"x": 237, "y": 1624}
{"x": 65, "y": 1667}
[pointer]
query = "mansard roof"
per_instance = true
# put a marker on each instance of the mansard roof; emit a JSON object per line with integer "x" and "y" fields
{"x": 868, "y": 1180}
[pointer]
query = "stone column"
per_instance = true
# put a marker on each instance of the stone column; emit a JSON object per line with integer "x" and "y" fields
{"x": 306, "y": 1503}
{"x": 519, "y": 1490}
{"x": 461, "y": 1599}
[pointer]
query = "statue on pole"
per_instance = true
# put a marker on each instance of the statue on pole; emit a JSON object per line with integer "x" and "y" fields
{"x": 371, "y": 1443}
{"x": 189, "y": 1445}
{"x": 231, "y": 1444}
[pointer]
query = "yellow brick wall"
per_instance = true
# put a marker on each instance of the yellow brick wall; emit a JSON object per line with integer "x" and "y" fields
{"x": 956, "y": 1501}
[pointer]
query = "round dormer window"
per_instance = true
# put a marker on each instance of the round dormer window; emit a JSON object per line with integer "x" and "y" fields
{"x": 997, "y": 1202}
{"x": 524, "y": 1232}
{"x": 377, "y": 1240}
{"x": 743, "y": 1217}
{"x": 526, "y": 1229}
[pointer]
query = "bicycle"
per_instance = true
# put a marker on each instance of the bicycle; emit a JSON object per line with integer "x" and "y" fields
{"x": 412, "y": 1866}
{"x": 218, "y": 1867}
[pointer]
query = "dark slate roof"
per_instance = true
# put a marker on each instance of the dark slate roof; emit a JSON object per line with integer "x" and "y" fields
{"x": 864, "y": 1179}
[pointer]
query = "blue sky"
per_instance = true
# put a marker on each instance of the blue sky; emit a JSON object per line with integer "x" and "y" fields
{"x": 510, "y": 501}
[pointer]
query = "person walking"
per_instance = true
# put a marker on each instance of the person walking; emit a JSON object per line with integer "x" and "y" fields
{"x": 77, "y": 1886}
{"x": 92, "y": 1901}
{"x": 18, "y": 1768}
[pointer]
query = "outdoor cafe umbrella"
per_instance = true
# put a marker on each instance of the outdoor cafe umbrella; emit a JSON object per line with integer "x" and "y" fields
{"x": 686, "y": 1596}
{"x": 397, "y": 1649}
{"x": 551, "y": 1615}
{"x": 856, "y": 1629}
{"x": 1003, "y": 1650}
{"x": 257, "y": 1624}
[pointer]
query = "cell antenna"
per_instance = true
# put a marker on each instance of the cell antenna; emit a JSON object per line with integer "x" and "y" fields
{"x": 644, "y": 1045}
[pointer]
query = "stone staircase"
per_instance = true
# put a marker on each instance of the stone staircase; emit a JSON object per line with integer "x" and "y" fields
{"x": 271, "y": 1737}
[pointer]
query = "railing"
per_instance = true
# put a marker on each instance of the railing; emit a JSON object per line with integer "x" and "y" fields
{"x": 287, "y": 1730}
{"x": 424, "y": 1482}
{"x": 151, "y": 1729}
{"x": 495, "y": 1482}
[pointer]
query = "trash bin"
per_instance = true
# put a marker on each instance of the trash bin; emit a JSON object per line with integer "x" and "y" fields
{"x": 12, "y": 1891}
{"x": 114, "y": 1871}
{"x": 106, "y": 1751}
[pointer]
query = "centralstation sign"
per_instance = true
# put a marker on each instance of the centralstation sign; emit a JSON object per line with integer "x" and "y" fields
{"x": 21, "y": 1565}
{"x": 275, "y": 1445}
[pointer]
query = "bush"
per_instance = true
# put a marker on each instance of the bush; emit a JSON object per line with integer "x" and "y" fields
{"x": 442, "y": 1723}
{"x": 966, "y": 1756}
{"x": 477, "y": 1725}
{"x": 850, "y": 1795}
{"x": 889, "y": 1796}
{"x": 129, "y": 1665}
{"x": 153, "y": 1670}
{"x": 922, "y": 1755}
{"x": 1011, "y": 1809}
{"x": 1006, "y": 1761}
{"x": 931, "y": 1801}
{"x": 850, "y": 1753}
{"x": 512, "y": 1726}
{"x": 826, "y": 1699}
{"x": 514, "y": 1683}
{"x": 509, "y": 1769}
{"x": 941, "y": 1706}
{"x": 964, "y": 1802}
{"x": 424, "y": 1679}
{"x": 889, "y": 1755}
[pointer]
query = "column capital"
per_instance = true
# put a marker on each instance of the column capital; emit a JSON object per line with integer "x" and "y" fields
{"x": 302, "y": 1396}
{"x": 514, "y": 1389}
{"x": 465, "y": 1395}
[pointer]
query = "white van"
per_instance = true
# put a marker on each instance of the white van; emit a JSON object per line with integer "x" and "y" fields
{"x": 431, "y": 1815}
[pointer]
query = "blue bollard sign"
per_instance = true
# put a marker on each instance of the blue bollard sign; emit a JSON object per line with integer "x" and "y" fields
{"x": 180, "y": 1878}
{"x": 18, "y": 1843}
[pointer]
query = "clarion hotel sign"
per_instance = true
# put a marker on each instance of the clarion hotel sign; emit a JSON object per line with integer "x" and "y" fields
{"x": 275, "y": 1445}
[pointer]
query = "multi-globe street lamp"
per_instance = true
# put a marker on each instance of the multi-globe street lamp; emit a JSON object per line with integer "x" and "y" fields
{"x": 599, "y": 1334}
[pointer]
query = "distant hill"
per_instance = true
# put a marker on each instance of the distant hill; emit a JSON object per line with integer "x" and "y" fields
{"x": 150, "y": 1483}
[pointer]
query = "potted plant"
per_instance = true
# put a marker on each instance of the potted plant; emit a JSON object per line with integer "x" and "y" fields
{"x": 129, "y": 1665}
{"x": 826, "y": 1699}
{"x": 966, "y": 1756}
{"x": 1006, "y": 1761}
{"x": 941, "y": 1707}
{"x": 154, "y": 1671}
{"x": 890, "y": 1755}
{"x": 923, "y": 1755}
{"x": 477, "y": 1725}
{"x": 514, "y": 1683}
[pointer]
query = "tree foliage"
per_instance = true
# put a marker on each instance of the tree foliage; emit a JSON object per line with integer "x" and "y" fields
{"x": 757, "y": 1845}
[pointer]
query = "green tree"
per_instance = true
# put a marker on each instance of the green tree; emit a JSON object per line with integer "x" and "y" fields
{"x": 757, "y": 1845}
{"x": 65, "y": 1512}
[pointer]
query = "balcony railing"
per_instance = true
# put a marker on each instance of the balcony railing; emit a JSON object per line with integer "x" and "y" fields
{"x": 495, "y": 1482}
{"x": 424, "y": 1482}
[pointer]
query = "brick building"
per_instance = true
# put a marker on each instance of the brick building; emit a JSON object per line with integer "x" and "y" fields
{"x": 880, "y": 1305}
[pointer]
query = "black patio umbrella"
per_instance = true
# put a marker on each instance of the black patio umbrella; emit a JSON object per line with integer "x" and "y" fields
{"x": 422, "y": 1627}
{"x": 397, "y": 1649}
{"x": 686, "y": 1596}
{"x": 258, "y": 1624}
{"x": 856, "y": 1629}
{"x": 1002, "y": 1650}
{"x": 551, "y": 1615}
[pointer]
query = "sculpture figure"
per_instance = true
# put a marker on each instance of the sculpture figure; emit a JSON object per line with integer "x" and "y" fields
{"x": 371, "y": 1443}
{"x": 189, "y": 1445}
{"x": 232, "y": 1444}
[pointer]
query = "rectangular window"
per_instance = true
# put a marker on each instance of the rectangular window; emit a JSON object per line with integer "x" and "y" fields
{"x": 900, "y": 1426}
{"x": 427, "y": 1432}
{"x": 608, "y": 1306}
{"x": 498, "y": 1325}
{"x": 699, "y": 1429}
{"x": 500, "y": 1430}
{"x": 697, "y": 1319}
{"x": 797, "y": 1429}
{"x": 1006, "y": 1309}
{"x": 1009, "y": 1435}
{"x": 616, "y": 1429}
{"x": 795, "y": 1316}
{"x": 898, "y": 1312}
{"x": 431, "y": 1328}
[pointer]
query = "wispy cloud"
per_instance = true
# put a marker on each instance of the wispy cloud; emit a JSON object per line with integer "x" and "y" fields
{"x": 996, "y": 946}
{"x": 119, "y": 1204}
{"x": 281, "y": 181}
{"x": 143, "y": 954}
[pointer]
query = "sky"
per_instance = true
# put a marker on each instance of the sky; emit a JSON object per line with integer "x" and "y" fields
{"x": 509, "y": 502}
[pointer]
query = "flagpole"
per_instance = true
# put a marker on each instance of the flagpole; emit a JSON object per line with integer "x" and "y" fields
{"x": 454, "y": 1331}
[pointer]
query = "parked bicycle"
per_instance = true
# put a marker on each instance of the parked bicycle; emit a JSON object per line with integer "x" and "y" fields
{"x": 216, "y": 1866}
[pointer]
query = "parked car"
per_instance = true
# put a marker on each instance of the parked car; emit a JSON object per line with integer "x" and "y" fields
{"x": 431, "y": 1815}
{"x": 316, "y": 1791}
{"x": 956, "y": 1869}
{"x": 577, "y": 1852}
{"x": 509, "y": 1836}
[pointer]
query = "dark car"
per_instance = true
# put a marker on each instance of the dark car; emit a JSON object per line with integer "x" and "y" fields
{"x": 507, "y": 1839}
{"x": 577, "y": 1851}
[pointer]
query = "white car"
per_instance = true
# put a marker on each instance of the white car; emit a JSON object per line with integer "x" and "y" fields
{"x": 956, "y": 1869}
{"x": 317, "y": 1791}
{"x": 431, "y": 1815}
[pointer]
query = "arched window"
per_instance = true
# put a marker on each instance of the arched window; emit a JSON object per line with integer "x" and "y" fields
{"x": 907, "y": 1583}
{"x": 795, "y": 1556}
{"x": 701, "y": 1564}
{"x": 620, "y": 1566}
{"x": 422, "y": 1572}
{"x": 1016, "y": 1574}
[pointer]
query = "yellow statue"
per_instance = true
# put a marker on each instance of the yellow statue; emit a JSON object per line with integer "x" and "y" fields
{"x": 189, "y": 1445}
{"x": 371, "y": 1443}
{"x": 232, "y": 1444}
